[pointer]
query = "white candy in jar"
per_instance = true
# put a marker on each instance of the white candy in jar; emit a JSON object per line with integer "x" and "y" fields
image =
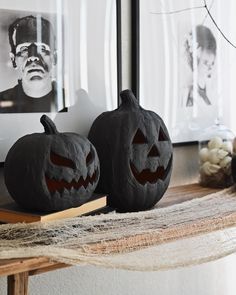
{"x": 215, "y": 142}
{"x": 225, "y": 162}
{"x": 213, "y": 156}
{"x": 209, "y": 169}
{"x": 204, "y": 153}
{"x": 227, "y": 146}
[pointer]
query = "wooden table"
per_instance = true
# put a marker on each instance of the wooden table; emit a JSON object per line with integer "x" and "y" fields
{"x": 19, "y": 270}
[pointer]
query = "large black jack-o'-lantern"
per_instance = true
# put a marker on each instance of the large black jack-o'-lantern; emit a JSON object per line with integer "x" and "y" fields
{"x": 51, "y": 171}
{"x": 135, "y": 154}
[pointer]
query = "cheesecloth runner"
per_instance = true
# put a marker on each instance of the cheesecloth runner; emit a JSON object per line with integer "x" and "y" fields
{"x": 192, "y": 232}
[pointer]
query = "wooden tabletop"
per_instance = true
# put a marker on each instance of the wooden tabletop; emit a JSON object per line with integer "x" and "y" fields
{"x": 32, "y": 265}
{"x": 39, "y": 265}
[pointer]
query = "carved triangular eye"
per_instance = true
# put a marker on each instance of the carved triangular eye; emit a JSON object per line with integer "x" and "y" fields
{"x": 154, "y": 152}
{"x": 162, "y": 136}
{"x": 61, "y": 161}
{"x": 89, "y": 158}
{"x": 139, "y": 137}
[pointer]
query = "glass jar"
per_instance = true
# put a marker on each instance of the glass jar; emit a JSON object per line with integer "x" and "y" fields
{"x": 215, "y": 155}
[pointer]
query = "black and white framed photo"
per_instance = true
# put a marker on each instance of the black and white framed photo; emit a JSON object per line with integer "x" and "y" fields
{"x": 73, "y": 45}
{"x": 187, "y": 63}
{"x": 30, "y": 59}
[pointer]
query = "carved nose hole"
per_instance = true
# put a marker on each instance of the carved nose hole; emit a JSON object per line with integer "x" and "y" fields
{"x": 153, "y": 152}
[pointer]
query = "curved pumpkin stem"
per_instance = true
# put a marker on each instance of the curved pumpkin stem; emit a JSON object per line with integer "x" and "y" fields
{"x": 48, "y": 124}
{"x": 128, "y": 99}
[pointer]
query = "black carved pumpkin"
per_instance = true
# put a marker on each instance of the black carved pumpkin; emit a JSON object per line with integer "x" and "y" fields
{"x": 51, "y": 171}
{"x": 135, "y": 154}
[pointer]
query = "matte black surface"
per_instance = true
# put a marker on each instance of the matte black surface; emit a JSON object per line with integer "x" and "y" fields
{"x": 135, "y": 155}
{"x": 51, "y": 171}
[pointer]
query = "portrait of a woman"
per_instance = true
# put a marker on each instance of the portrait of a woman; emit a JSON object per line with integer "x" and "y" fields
{"x": 201, "y": 53}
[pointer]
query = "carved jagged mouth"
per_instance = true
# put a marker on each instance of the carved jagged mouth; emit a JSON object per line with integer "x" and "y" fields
{"x": 60, "y": 185}
{"x": 146, "y": 175}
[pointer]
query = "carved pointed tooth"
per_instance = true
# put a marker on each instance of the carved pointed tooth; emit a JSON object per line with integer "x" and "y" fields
{"x": 90, "y": 171}
{"x": 84, "y": 175}
{"x": 73, "y": 190}
{"x": 94, "y": 178}
{"x": 68, "y": 178}
{"x": 81, "y": 180}
{"x": 153, "y": 168}
{"x": 90, "y": 185}
{"x": 65, "y": 191}
{"x": 77, "y": 177}
{"x": 56, "y": 195}
{"x": 82, "y": 189}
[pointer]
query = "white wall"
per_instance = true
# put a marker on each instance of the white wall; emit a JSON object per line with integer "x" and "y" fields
{"x": 215, "y": 278}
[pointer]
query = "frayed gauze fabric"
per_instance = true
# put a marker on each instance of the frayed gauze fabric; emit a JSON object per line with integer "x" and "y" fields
{"x": 189, "y": 233}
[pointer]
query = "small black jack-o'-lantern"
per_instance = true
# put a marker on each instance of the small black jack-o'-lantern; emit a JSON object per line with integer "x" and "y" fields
{"x": 51, "y": 171}
{"x": 135, "y": 154}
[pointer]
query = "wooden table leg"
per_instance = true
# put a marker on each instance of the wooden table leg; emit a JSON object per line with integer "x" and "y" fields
{"x": 17, "y": 284}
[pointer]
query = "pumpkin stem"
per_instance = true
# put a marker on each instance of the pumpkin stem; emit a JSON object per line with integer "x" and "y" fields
{"x": 48, "y": 124}
{"x": 128, "y": 99}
